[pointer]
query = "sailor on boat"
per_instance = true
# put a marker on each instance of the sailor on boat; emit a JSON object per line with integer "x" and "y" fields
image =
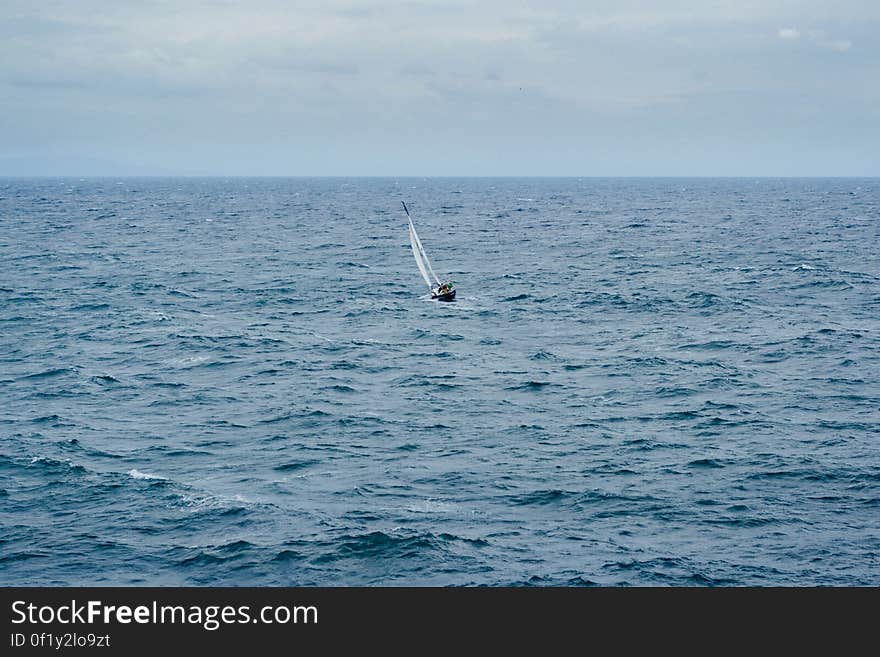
{"x": 443, "y": 290}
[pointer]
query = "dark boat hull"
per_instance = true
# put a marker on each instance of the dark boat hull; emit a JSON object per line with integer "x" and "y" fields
{"x": 449, "y": 296}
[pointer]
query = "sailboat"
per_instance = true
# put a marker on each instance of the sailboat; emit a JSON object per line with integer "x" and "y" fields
{"x": 441, "y": 291}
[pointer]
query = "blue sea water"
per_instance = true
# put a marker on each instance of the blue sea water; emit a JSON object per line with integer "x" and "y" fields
{"x": 243, "y": 382}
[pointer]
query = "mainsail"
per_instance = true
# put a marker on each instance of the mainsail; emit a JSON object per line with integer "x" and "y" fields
{"x": 418, "y": 250}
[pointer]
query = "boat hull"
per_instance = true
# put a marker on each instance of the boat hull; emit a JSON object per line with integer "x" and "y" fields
{"x": 448, "y": 296}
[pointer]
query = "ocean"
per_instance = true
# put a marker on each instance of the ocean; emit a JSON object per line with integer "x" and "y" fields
{"x": 244, "y": 382}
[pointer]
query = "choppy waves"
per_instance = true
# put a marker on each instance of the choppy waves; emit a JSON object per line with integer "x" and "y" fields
{"x": 642, "y": 382}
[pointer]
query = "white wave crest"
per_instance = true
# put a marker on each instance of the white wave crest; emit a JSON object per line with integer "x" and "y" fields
{"x": 137, "y": 474}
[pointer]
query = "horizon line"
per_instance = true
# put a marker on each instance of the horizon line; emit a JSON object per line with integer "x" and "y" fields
{"x": 417, "y": 176}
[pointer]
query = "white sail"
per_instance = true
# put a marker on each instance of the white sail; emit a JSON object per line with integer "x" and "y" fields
{"x": 422, "y": 252}
{"x": 417, "y": 252}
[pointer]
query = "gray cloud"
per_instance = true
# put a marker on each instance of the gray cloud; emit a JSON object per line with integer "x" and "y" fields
{"x": 479, "y": 87}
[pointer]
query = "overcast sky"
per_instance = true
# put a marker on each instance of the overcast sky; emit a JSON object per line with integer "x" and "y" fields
{"x": 422, "y": 87}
